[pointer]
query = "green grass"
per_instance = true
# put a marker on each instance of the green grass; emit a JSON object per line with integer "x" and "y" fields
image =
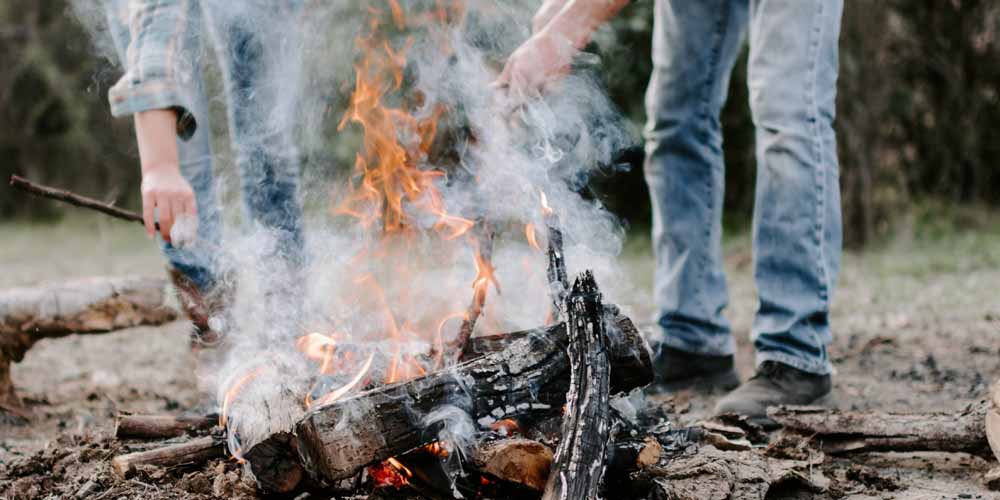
{"x": 75, "y": 246}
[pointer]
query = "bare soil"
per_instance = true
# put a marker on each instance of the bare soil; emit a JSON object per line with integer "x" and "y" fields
{"x": 917, "y": 329}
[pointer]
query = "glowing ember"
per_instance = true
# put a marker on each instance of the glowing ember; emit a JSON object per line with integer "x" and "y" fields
{"x": 390, "y": 473}
{"x": 506, "y": 427}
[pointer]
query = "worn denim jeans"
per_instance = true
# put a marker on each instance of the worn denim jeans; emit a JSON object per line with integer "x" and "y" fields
{"x": 792, "y": 79}
{"x": 250, "y": 54}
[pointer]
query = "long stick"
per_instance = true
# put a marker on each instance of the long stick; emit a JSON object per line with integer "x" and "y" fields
{"x": 73, "y": 199}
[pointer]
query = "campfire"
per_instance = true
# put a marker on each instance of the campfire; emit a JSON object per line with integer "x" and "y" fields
{"x": 410, "y": 397}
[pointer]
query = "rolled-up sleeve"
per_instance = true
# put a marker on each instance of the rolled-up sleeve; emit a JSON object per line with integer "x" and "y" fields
{"x": 160, "y": 61}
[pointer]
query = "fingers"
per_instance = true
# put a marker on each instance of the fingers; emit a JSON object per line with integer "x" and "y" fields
{"x": 148, "y": 207}
{"x": 191, "y": 207}
{"x": 166, "y": 217}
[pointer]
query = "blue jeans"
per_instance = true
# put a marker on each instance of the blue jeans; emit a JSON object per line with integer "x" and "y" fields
{"x": 260, "y": 124}
{"x": 796, "y": 222}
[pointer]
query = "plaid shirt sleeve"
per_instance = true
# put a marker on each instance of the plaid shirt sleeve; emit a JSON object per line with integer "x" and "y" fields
{"x": 160, "y": 61}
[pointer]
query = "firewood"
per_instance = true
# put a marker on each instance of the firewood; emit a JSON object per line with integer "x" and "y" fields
{"x": 191, "y": 452}
{"x": 579, "y": 461}
{"x": 627, "y": 350}
{"x": 516, "y": 460}
{"x": 839, "y": 432}
{"x": 93, "y": 305}
{"x": 527, "y": 379}
{"x": 993, "y": 419}
{"x": 556, "y": 268}
{"x": 161, "y": 426}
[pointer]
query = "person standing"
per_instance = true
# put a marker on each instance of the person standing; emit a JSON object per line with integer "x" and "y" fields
{"x": 793, "y": 67}
{"x": 160, "y": 47}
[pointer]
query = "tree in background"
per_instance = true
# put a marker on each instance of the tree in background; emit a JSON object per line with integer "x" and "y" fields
{"x": 54, "y": 120}
{"x": 918, "y": 111}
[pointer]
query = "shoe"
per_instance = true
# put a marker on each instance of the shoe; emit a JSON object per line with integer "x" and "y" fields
{"x": 775, "y": 384}
{"x": 678, "y": 370}
{"x": 207, "y": 311}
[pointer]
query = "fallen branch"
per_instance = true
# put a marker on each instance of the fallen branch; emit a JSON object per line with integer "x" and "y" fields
{"x": 993, "y": 420}
{"x": 838, "y": 432}
{"x": 161, "y": 426}
{"x": 580, "y": 458}
{"x": 94, "y": 305}
{"x": 190, "y": 452}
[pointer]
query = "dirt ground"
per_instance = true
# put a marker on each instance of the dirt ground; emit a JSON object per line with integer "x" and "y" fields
{"x": 917, "y": 328}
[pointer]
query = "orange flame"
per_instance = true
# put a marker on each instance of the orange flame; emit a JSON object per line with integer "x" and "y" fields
{"x": 346, "y": 388}
{"x": 530, "y": 233}
{"x": 233, "y": 391}
{"x": 546, "y": 209}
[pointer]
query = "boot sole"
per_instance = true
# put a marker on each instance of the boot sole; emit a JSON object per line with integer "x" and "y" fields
{"x": 726, "y": 380}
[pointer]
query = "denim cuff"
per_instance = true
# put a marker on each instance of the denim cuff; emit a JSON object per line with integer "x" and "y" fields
{"x": 814, "y": 367}
{"x": 157, "y": 94}
{"x": 725, "y": 348}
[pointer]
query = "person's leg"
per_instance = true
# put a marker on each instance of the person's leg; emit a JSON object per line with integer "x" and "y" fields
{"x": 255, "y": 43}
{"x": 194, "y": 268}
{"x": 797, "y": 224}
{"x": 695, "y": 45}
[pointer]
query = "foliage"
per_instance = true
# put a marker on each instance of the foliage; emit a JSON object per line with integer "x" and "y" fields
{"x": 918, "y": 106}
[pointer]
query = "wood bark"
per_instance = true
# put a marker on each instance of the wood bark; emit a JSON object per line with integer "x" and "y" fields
{"x": 194, "y": 451}
{"x": 161, "y": 426}
{"x": 627, "y": 349}
{"x": 528, "y": 379}
{"x": 838, "y": 432}
{"x": 92, "y": 305}
{"x": 580, "y": 458}
{"x": 556, "y": 268}
{"x": 993, "y": 419}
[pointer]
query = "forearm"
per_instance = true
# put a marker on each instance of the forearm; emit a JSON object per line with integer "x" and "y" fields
{"x": 579, "y": 19}
{"x": 156, "y": 135}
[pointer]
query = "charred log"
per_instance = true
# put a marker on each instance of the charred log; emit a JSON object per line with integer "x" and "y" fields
{"x": 580, "y": 458}
{"x": 627, "y": 350}
{"x": 528, "y": 379}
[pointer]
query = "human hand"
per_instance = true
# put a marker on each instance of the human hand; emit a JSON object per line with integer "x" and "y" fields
{"x": 166, "y": 195}
{"x": 165, "y": 191}
{"x": 537, "y": 64}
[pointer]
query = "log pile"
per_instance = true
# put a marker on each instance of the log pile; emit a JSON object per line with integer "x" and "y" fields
{"x": 94, "y": 305}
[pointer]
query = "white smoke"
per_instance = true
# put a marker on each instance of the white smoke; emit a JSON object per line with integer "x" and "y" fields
{"x": 501, "y": 154}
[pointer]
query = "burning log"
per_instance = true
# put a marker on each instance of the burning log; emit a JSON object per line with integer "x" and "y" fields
{"x": 627, "y": 349}
{"x": 527, "y": 379}
{"x": 556, "y": 270}
{"x": 94, "y": 305}
{"x": 194, "y": 451}
{"x": 839, "y": 432}
{"x": 161, "y": 426}
{"x": 580, "y": 458}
